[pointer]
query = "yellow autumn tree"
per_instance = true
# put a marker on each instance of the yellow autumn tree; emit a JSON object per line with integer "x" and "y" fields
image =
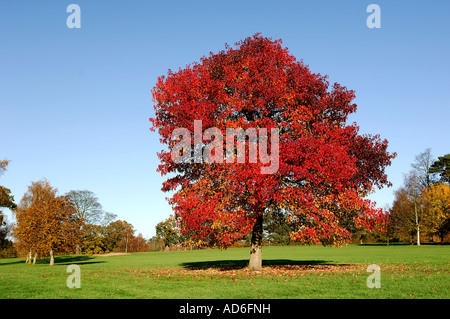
{"x": 46, "y": 223}
{"x": 437, "y": 209}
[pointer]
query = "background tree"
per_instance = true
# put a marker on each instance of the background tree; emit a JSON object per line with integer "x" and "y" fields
{"x": 115, "y": 232}
{"x": 422, "y": 168}
{"x": 414, "y": 185}
{"x": 418, "y": 210}
{"x": 93, "y": 240}
{"x": 276, "y": 229}
{"x": 3, "y": 164}
{"x": 391, "y": 234}
{"x": 4, "y": 230}
{"x": 117, "y": 235}
{"x": 402, "y": 215}
{"x": 107, "y": 218}
{"x": 28, "y": 231}
{"x": 6, "y": 201}
{"x": 37, "y": 191}
{"x": 437, "y": 209}
{"x": 167, "y": 231}
{"x": 409, "y": 207}
{"x": 156, "y": 244}
{"x": 46, "y": 223}
{"x": 87, "y": 206}
{"x": 385, "y": 230}
{"x": 7, "y": 249}
{"x": 127, "y": 237}
{"x": 442, "y": 168}
{"x": 89, "y": 211}
{"x": 325, "y": 167}
{"x": 139, "y": 244}
{"x": 418, "y": 179}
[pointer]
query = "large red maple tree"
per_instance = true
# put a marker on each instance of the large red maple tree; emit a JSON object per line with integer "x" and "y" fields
{"x": 324, "y": 169}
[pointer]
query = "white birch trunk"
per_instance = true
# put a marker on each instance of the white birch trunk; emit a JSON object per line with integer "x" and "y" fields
{"x": 28, "y": 258}
{"x": 52, "y": 259}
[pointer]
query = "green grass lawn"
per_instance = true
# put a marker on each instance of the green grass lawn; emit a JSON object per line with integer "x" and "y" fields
{"x": 288, "y": 272}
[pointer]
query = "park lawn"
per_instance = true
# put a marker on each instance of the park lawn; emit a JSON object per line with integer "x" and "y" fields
{"x": 288, "y": 272}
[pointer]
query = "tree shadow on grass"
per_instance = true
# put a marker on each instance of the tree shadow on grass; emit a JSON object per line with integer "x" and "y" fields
{"x": 59, "y": 260}
{"x": 12, "y": 262}
{"x": 243, "y": 263}
{"x": 71, "y": 259}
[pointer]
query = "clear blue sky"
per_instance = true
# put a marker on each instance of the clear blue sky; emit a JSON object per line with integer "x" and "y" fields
{"x": 75, "y": 103}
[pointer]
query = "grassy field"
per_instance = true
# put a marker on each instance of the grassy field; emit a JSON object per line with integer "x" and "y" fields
{"x": 288, "y": 272}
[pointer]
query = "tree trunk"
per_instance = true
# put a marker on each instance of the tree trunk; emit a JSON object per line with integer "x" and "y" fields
{"x": 255, "y": 262}
{"x": 28, "y": 257}
{"x": 52, "y": 260}
{"x": 77, "y": 250}
{"x": 34, "y": 259}
{"x": 417, "y": 223}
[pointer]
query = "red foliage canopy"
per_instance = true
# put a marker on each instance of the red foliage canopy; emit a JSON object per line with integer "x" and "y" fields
{"x": 325, "y": 168}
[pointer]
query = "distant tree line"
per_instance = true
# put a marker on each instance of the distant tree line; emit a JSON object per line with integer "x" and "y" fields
{"x": 48, "y": 224}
